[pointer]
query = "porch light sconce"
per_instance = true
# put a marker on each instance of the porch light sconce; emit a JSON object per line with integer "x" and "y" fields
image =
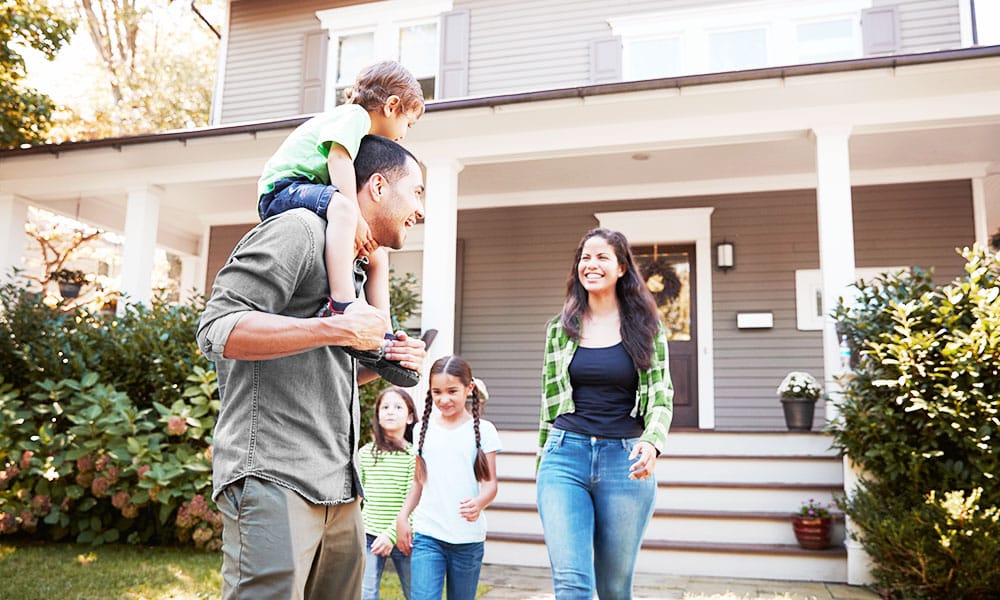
{"x": 725, "y": 256}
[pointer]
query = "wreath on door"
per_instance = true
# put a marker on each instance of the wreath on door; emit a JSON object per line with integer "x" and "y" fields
{"x": 661, "y": 279}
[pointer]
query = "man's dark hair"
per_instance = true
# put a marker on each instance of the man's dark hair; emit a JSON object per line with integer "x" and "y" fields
{"x": 378, "y": 154}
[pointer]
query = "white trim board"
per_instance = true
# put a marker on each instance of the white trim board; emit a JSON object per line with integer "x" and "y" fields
{"x": 684, "y": 225}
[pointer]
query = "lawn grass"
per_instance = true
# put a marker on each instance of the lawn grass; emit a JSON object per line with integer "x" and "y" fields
{"x": 34, "y": 570}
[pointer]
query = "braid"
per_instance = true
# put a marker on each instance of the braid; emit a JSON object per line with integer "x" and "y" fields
{"x": 481, "y": 467}
{"x": 420, "y": 471}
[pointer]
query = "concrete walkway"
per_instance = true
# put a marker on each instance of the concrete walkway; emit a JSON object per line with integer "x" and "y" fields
{"x": 530, "y": 583}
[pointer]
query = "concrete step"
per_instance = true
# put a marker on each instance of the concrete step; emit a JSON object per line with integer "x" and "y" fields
{"x": 730, "y": 468}
{"x": 760, "y": 561}
{"x": 708, "y": 442}
{"x": 678, "y": 526}
{"x": 705, "y": 496}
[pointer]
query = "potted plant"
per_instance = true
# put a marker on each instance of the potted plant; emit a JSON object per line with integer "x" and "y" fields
{"x": 70, "y": 281}
{"x": 799, "y": 392}
{"x": 812, "y": 525}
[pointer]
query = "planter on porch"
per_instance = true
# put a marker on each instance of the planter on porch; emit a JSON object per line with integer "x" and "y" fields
{"x": 799, "y": 413}
{"x": 812, "y": 533}
{"x": 799, "y": 392}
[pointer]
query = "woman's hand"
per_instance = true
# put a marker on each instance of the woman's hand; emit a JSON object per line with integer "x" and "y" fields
{"x": 644, "y": 455}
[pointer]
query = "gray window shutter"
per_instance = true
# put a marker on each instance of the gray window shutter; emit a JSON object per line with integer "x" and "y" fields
{"x": 314, "y": 72}
{"x": 606, "y": 60}
{"x": 880, "y": 30}
{"x": 453, "y": 74}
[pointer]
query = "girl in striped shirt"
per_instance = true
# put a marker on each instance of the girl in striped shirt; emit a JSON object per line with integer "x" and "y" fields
{"x": 387, "y": 465}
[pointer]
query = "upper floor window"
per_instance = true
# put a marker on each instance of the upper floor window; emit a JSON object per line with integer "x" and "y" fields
{"x": 739, "y": 35}
{"x": 362, "y": 34}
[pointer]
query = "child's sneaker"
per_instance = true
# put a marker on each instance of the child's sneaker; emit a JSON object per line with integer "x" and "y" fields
{"x": 392, "y": 371}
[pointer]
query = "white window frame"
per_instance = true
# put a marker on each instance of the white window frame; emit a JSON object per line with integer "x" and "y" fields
{"x": 693, "y": 26}
{"x": 382, "y": 19}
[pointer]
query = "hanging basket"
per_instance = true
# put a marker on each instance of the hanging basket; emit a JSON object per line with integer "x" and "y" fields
{"x": 69, "y": 290}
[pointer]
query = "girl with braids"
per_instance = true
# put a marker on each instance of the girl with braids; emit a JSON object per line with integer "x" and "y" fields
{"x": 454, "y": 481}
{"x": 607, "y": 402}
{"x": 386, "y": 465}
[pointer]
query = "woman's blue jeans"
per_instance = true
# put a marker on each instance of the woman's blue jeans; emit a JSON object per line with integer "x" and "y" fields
{"x": 374, "y": 565}
{"x": 433, "y": 560}
{"x": 592, "y": 513}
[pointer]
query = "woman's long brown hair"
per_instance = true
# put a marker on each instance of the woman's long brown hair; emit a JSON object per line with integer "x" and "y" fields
{"x": 636, "y": 307}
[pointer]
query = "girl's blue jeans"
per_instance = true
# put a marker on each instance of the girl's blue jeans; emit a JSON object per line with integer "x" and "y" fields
{"x": 434, "y": 563}
{"x": 374, "y": 565}
{"x": 593, "y": 515}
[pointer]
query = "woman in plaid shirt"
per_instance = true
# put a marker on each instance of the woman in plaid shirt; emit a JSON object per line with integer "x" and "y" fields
{"x": 607, "y": 402}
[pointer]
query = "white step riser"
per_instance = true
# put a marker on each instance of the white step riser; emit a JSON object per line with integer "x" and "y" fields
{"x": 806, "y": 567}
{"x": 677, "y": 529}
{"x": 709, "y": 443}
{"x": 696, "y": 498}
{"x": 681, "y": 469}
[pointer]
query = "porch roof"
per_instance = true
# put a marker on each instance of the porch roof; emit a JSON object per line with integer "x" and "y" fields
{"x": 913, "y": 118}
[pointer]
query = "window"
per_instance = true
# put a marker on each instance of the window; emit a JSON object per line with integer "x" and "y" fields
{"x": 737, "y": 50}
{"x": 652, "y": 58}
{"x": 738, "y": 35}
{"x": 400, "y": 30}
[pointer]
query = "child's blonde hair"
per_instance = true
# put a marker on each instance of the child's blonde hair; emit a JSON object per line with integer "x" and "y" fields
{"x": 377, "y": 82}
{"x": 455, "y": 366}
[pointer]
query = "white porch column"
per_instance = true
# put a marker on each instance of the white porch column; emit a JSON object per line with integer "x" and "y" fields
{"x": 836, "y": 263}
{"x": 836, "y": 238}
{"x": 440, "y": 239}
{"x": 979, "y": 212}
{"x": 192, "y": 279}
{"x": 13, "y": 215}
{"x": 142, "y": 217}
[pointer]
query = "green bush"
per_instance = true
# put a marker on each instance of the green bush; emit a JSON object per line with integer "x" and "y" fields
{"x": 106, "y": 423}
{"x": 920, "y": 414}
{"x": 404, "y": 301}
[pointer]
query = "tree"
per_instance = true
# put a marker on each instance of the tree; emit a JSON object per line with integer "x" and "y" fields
{"x": 25, "y": 113}
{"x": 156, "y": 64}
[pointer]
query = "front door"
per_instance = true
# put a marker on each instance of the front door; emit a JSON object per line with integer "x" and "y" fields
{"x": 670, "y": 277}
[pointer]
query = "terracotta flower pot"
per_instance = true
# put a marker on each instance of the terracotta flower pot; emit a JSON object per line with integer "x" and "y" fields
{"x": 812, "y": 533}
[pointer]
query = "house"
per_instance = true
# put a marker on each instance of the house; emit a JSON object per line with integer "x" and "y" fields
{"x": 816, "y": 141}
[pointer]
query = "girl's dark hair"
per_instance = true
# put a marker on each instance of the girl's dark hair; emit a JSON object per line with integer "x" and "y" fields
{"x": 375, "y": 83}
{"x": 636, "y": 307}
{"x": 455, "y": 366}
{"x": 383, "y": 443}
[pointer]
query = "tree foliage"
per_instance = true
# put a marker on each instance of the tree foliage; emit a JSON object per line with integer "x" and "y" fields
{"x": 26, "y": 113}
{"x": 155, "y": 72}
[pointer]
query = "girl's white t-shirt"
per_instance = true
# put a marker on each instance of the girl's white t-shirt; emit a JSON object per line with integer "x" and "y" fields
{"x": 449, "y": 455}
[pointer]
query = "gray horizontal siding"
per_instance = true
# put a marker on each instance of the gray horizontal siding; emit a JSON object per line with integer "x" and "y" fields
{"x": 265, "y": 57}
{"x": 927, "y": 25}
{"x": 516, "y": 260}
{"x": 526, "y": 44}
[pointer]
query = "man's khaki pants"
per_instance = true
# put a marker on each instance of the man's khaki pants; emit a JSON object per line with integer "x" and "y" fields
{"x": 277, "y": 545}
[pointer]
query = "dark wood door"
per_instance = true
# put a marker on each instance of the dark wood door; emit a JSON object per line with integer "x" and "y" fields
{"x": 670, "y": 276}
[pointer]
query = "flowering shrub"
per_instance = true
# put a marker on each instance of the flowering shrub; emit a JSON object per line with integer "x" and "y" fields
{"x": 813, "y": 509}
{"x": 920, "y": 416}
{"x": 799, "y": 384}
{"x": 105, "y": 424}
